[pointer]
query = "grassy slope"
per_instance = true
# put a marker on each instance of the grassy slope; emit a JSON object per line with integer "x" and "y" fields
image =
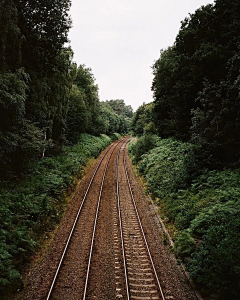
{"x": 35, "y": 204}
{"x": 203, "y": 205}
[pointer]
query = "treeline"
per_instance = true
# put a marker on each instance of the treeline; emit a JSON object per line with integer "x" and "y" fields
{"x": 188, "y": 148}
{"x": 196, "y": 82}
{"x": 46, "y": 101}
{"x": 51, "y": 123}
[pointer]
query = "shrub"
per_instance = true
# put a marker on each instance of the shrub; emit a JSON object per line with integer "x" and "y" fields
{"x": 216, "y": 263}
{"x": 115, "y": 136}
{"x": 168, "y": 167}
{"x": 143, "y": 145}
{"x": 204, "y": 206}
{"x": 34, "y": 205}
{"x": 185, "y": 244}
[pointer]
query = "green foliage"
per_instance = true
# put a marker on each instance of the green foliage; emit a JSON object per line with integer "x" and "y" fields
{"x": 196, "y": 92}
{"x": 111, "y": 120}
{"x": 77, "y": 116}
{"x": 119, "y": 107}
{"x": 173, "y": 95}
{"x": 20, "y": 141}
{"x": 185, "y": 244}
{"x": 143, "y": 120}
{"x": 12, "y": 99}
{"x": 87, "y": 114}
{"x": 204, "y": 206}
{"x": 196, "y": 83}
{"x": 168, "y": 167}
{"x": 45, "y": 100}
{"x": 45, "y": 26}
{"x": 215, "y": 264}
{"x": 85, "y": 82}
{"x": 35, "y": 204}
{"x": 115, "y": 136}
{"x": 10, "y": 37}
{"x": 36, "y": 75}
{"x": 144, "y": 144}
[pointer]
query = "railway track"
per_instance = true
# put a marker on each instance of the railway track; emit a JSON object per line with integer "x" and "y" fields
{"x": 106, "y": 255}
{"x": 140, "y": 273}
{"x": 72, "y": 265}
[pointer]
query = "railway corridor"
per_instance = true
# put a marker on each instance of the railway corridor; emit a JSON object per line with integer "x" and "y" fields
{"x": 112, "y": 250}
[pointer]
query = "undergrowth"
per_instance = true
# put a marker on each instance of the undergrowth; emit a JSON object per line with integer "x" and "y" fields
{"x": 34, "y": 205}
{"x": 204, "y": 206}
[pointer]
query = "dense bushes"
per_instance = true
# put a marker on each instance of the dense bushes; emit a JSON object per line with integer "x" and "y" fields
{"x": 205, "y": 208}
{"x": 215, "y": 263}
{"x": 168, "y": 166}
{"x": 34, "y": 205}
{"x": 145, "y": 143}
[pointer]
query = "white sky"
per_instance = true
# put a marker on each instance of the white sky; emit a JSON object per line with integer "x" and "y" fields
{"x": 120, "y": 40}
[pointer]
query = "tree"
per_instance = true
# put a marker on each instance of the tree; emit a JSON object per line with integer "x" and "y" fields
{"x": 77, "y": 116}
{"x": 119, "y": 107}
{"x": 10, "y": 37}
{"x": 36, "y": 75}
{"x": 20, "y": 140}
{"x": 112, "y": 122}
{"x": 195, "y": 82}
{"x": 143, "y": 120}
{"x": 45, "y": 25}
{"x": 85, "y": 82}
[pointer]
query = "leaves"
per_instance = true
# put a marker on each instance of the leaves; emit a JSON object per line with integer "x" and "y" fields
{"x": 35, "y": 205}
{"x": 143, "y": 120}
{"x": 204, "y": 206}
{"x": 196, "y": 95}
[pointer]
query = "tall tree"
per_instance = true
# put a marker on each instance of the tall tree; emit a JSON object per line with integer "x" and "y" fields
{"x": 77, "y": 116}
{"x": 85, "y": 82}
{"x": 120, "y": 108}
{"x": 36, "y": 75}
{"x": 195, "y": 81}
{"x": 44, "y": 25}
{"x": 10, "y": 37}
{"x": 143, "y": 120}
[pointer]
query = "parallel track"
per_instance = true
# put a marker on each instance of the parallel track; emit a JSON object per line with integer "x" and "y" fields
{"x": 76, "y": 220}
{"x": 141, "y": 277}
{"x": 135, "y": 273}
{"x": 94, "y": 229}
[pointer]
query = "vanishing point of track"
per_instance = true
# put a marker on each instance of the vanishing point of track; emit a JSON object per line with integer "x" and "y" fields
{"x": 104, "y": 261}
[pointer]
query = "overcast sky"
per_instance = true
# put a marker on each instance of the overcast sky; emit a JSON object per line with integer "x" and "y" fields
{"x": 120, "y": 40}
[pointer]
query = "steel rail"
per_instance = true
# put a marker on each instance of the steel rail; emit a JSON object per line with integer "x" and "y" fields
{"x": 140, "y": 224}
{"x": 75, "y": 222}
{"x": 95, "y": 225}
{"x": 121, "y": 231}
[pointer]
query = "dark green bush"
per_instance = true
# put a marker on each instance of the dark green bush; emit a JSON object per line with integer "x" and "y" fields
{"x": 168, "y": 167}
{"x": 185, "y": 244}
{"x": 34, "y": 205}
{"x": 115, "y": 136}
{"x": 143, "y": 145}
{"x": 205, "y": 208}
{"x": 216, "y": 262}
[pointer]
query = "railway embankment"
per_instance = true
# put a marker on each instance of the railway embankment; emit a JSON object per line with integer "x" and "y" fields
{"x": 200, "y": 207}
{"x": 33, "y": 205}
{"x": 113, "y": 252}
